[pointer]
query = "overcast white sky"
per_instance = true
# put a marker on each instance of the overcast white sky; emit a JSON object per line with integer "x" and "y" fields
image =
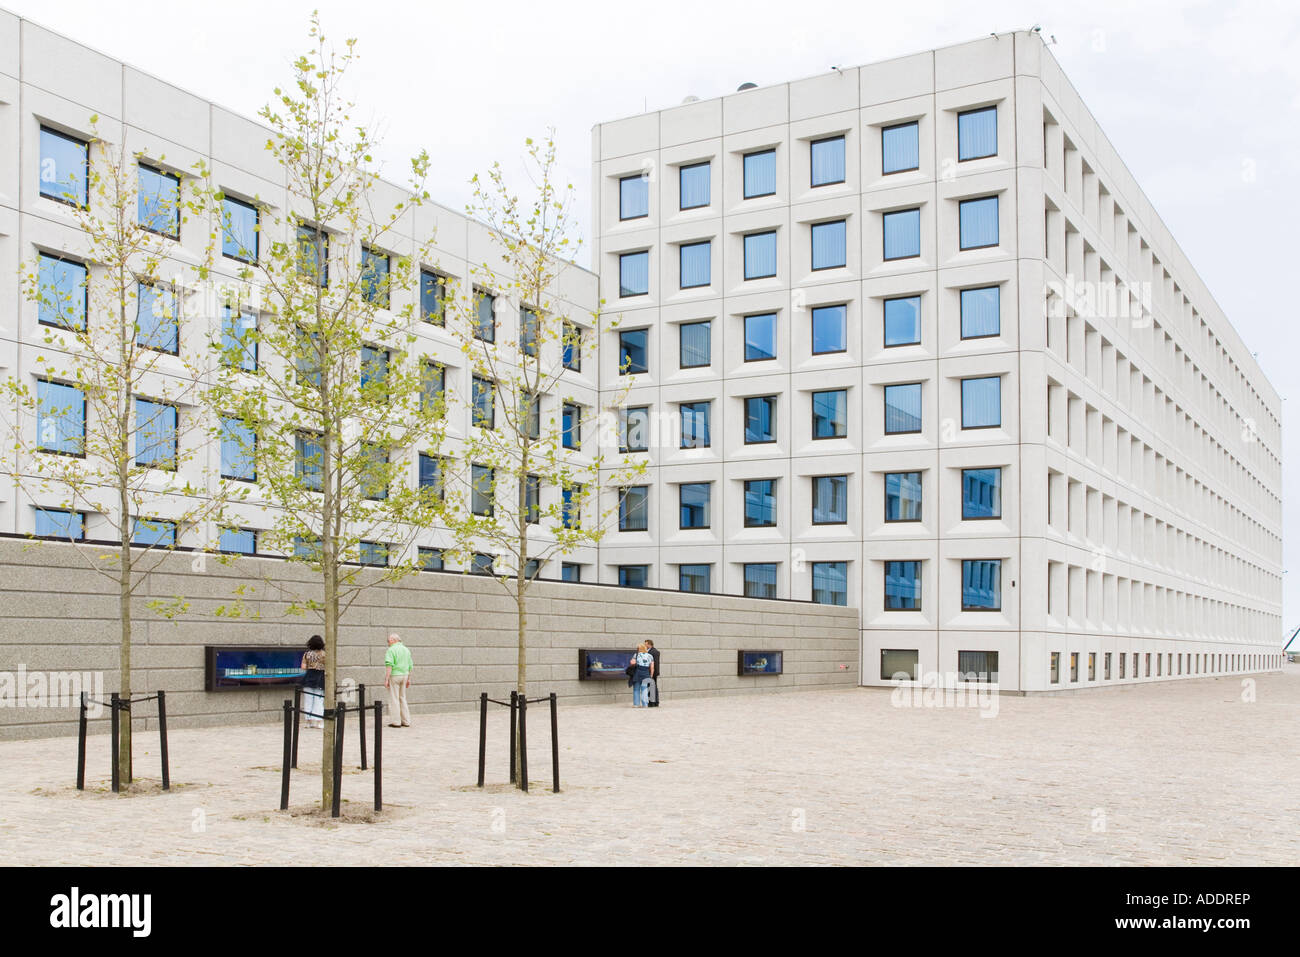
{"x": 1201, "y": 99}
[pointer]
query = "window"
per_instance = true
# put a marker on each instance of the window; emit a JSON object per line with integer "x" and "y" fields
{"x": 1148, "y": 664}
{"x": 571, "y": 506}
{"x": 485, "y": 316}
{"x": 830, "y": 414}
{"x": 902, "y": 496}
{"x": 239, "y": 338}
{"x": 484, "y": 412}
{"x": 981, "y": 584}
{"x": 64, "y": 293}
{"x": 158, "y": 201}
{"x": 830, "y": 499}
{"x": 981, "y": 666}
{"x": 308, "y": 460}
{"x": 483, "y": 481}
{"x": 157, "y": 323}
{"x": 433, "y": 388}
{"x": 374, "y": 276}
{"x": 307, "y": 548}
{"x": 695, "y": 264}
{"x": 238, "y": 450}
{"x": 433, "y": 297}
{"x": 529, "y": 328}
{"x": 373, "y": 480}
{"x": 314, "y": 254}
{"x": 694, "y": 185}
{"x": 979, "y": 222}
{"x": 981, "y": 312}
{"x": 633, "y": 351}
{"x": 1122, "y": 660}
{"x": 373, "y": 553}
{"x": 829, "y": 249}
{"x": 902, "y": 234}
{"x": 634, "y": 429}
{"x": 60, "y": 523}
{"x": 571, "y": 427}
{"x": 308, "y": 359}
{"x": 60, "y": 418}
{"x": 430, "y": 476}
{"x": 532, "y": 499}
{"x": 981, "y": 402}
{"x": 239, "y": 541}
{"x": 481, "y": 564}
{"x": 1074, "y": 666}
{"x": 830, "y": 583}
{"x": 902, "y": 586}
{"x": 899, "y": 664}
{"x": 693, "y": 340}
{"x": 1056, "y": 668}
{"x": 634, "y": 274}
{"x": 977, "y": 133}
{"x": 760, "y": 580}
{"x": 1106, "y": 667}
{"x": 572, "y": 346}
{"x": 903, "y": 408}
{"x": 694, "y": 578}
{"x": 695, "y": 425}
{"x": 634, "y": 576}
{"x": 154, "y": 533}
{"x": 633, "y": 197}
{"x": 374, "y": 372}
{"x": 64, "y": 168}
{"x": 829, "y": 329}
{"x": 570, "y": 572}
{"x": 155, "y": 437}
{"x": 760, "y": 337}
{"x": 532, "y": 568}
{"x": 240, "y": 231}
{"x": 530, "y": 411}
{"x": 760, "y": 419}
{"x": 900, "y": 148}
{"x": 760, "y": 503}
{"x": 902, "y": 321}
{"x": 760, "y": 174}
{"x": 694, "y": 500}
{"x": 826, "y": 158}
{"x": 430, "y": 559}
{"x": 633, "y": 509}
{"x": 981, "y": 493}
{"x": 760, "y": 255}
{"x": 1092, "y": 665}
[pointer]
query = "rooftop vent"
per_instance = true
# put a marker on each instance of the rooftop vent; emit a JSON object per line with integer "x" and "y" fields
{"x": 690, "y": 99}
{"x": 746, "y": 86}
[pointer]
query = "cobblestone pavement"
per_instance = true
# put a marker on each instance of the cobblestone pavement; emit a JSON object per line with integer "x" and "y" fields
{"x": 1175, "y": 773}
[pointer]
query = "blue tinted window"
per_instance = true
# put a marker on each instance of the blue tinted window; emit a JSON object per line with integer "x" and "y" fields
{"x": 760, "y": 337}
{"x": 158, "y": 201}
{"x": 572, "y": 346}
{"x": 571, "y": 506}
{"x": 570, "y": 572}
{"x": 155, "y": 437}
{"x": 979, "y": 222}
{"x": 632, "y": 351}
{"x": 572, "y": 426}
{"x": 902, "y": 496}
{"x": 694, "y": 183}
{"x": 485, "y": 315}
{"x": 154, "y": 532}
{"x": 306, "y": 547}
{"x": 238, "y": 450}
{"x": 314, "y": 254}
{"x": 60, "y": 418}
{"x": 484, "y": 410}
{"x": 694, "y": 339}
{"x": 900, "y": 148}
{"x": 433, "y": 298}
{"x": 760, "y": 419}
{"x": 760, "y": 255}
{"x": 981, "y": 584}
{"x": 157, "y": 319}
{"x": 239, "y": 232}
{"x": 433, "y": 387}
{"x": 60, "y": 523}
{"x": 760, "y": 580}
{"x": 239, "y": 338}
{"x": 830, "y": 412}
{"x": 431, "y": 474}
{"x": 830, "y": 583}
{"x": 373, "y": 553}
{"x": 760, "y": 503}
{"x": 63, "y": 167}
{"x": 902, "y": 586}
{"x": 633, "y": 513}
{"x": 634, "y": 429}
{"x": 830, "y": 505}
{"x": 977, "y": 133}
{"x": 634, "y": 274}
{"x": 829, "y": 329}
{"x": 981, "y": 312}
{"x": 430, "y": 559}
{"x": 760, "y": 174}
{"x": 903, "y": 408}
{"x": 695, "y": 425}
{"x": 634, "y": 576}
{"x": 827, "y": 160}
{"x": 694, "y": 578}
{"x": 530, "y": 323}
{"x": 307, "y": 359}
{"x": 981, "y": 493}
{"x": 633, "y": 197}
{"x": 62, "y": 292}
{"x": 695, "y": 265}
{"x": 374, "y": 276}
{"x": 981, "y": 402}
{"x": 903, "y": 321}
{"x": 374, "y": 368}
{"x": 902, "y": 234}
{"x": 481, "y": 564}
{"x": 483, "y": 479}
{"x": 308, "y": 462}
{"x": 242, "y": 541}
{"x": 828, "y": 245}
{"x": 694, "y": 505}
{"x": 373, "y": 477}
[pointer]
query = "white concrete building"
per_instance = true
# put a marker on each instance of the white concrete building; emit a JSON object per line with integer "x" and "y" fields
{"x": 938, "y": 357}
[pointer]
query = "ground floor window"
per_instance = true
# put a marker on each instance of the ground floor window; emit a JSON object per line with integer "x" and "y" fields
{"x": 978, "y": 665}
{"x": 1056, "y": 667}
{"x": 899, "y": 663}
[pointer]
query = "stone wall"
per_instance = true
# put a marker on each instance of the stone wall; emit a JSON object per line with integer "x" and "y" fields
{"x": 57, "y": 614}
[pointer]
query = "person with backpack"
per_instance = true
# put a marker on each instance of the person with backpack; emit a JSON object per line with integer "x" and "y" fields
{"x": 642, "y": 672}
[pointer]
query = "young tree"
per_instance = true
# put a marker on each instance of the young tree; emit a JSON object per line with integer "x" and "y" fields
{"x": 110, "y": 429}
{"x": 537, "y": 454}
{"x": 339, "y": 399}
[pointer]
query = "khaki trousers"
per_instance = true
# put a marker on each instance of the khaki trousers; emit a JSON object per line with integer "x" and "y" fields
{"x": 398, "y": 710}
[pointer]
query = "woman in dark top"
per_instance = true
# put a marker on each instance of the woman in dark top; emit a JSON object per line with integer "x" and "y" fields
{"x": 313, "y": 682}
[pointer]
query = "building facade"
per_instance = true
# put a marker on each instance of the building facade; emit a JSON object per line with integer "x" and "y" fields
{"x": 905, "y": 337}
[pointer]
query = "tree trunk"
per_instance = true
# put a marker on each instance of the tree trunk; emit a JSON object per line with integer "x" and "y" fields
{"x": 329, "y": 564}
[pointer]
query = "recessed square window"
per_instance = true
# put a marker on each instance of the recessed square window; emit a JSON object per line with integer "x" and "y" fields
{"x": 830, "y": 414}
{"x": 634, "y": 274}
{"x": 64, "y": 170}
{"x": 900, "y": 148}
{"x": 830, "y": 583}
{"x": 829, "y": 329}
{"x": 903, "y": 586}
{"x": 633, "y": 197}
{"x": 829, "y": 245}
{"x": 902, "y": 321}
{"x": 633, "y": 351}
{"x": 903, "y": 408}
{"x": 694, "y": 344}
{"x": 696, "y": 265}
{"x": 760, "y": 174}
{"x": 826, "y": 158}
{"x": 981, "y": 402}
{"x": 902, "y": 229}
{"x": 977, "y": 133}
{"x": 760, "y": 255}
{"x": 981, "y": 312}
{"x": 64, "y": 292}
{"x": 979, "y": 222}
{"x": 693, "y": 183}
{"x": 760, "y": 337}
{"x": 760, "y": 419}
{"x": 695, "y": 425}
{"x": 158, "y": 201}
{"x": 240, "y": 233}
{"x": 981, "y": 493}
{"x": 760, "y": 503}
{"x": 902, "y": 496}
{"x": 830, "y": 500}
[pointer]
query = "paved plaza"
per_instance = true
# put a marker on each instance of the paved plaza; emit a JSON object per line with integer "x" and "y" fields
{"x": 1186, "y": 772}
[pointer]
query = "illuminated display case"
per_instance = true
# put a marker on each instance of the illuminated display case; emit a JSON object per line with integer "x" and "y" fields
{"x": 604, "y": 664}
{"x": 241, "y": 667}
{"x": 757, "y": 663}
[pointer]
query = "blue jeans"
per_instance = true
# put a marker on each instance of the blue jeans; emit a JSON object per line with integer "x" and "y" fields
{"x": 641, "y": 688}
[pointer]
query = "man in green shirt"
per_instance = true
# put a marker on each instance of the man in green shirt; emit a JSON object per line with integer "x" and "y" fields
{"x": 397, "y": 676}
